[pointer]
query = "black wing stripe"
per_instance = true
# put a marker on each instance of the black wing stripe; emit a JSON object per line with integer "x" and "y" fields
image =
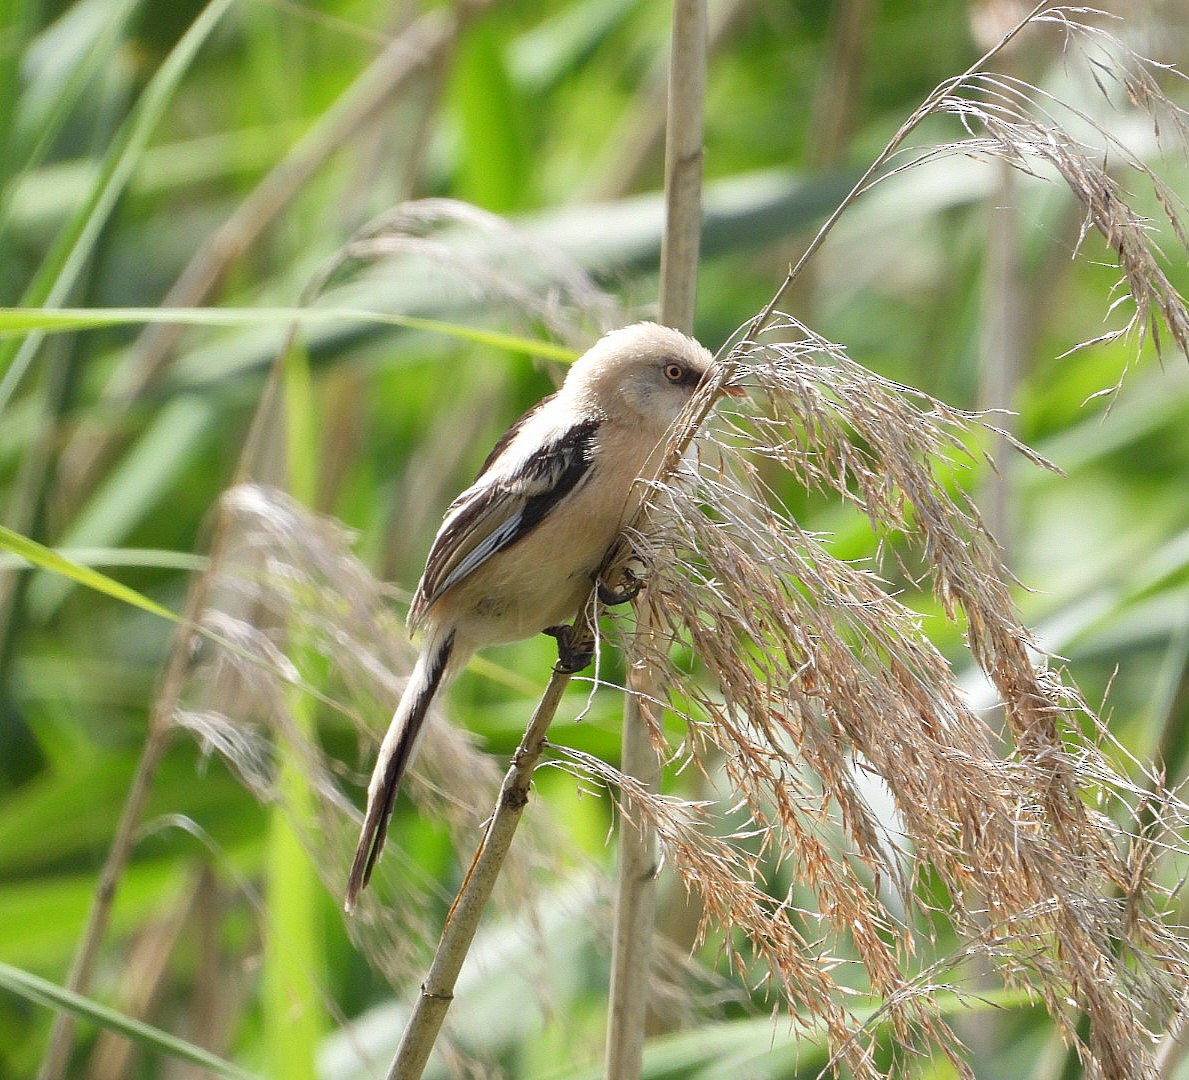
{"x": 573, "y": 454}
{"x": 557, "y": 470}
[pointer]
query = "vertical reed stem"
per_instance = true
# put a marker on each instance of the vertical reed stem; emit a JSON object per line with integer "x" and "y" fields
{"x": 635, "y": 911}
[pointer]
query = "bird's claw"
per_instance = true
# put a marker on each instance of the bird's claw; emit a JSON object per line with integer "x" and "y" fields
{"x": 630, "y": 590}
{"x": 575, "y": 648}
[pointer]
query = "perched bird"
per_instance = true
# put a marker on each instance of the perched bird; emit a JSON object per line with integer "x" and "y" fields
{"x": 520, "y": 550}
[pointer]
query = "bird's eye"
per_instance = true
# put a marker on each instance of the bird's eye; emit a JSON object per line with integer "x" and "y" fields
{"x": 674, "y": 372}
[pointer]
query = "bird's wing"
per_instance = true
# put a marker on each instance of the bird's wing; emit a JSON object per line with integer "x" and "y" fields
{"x": 503, "y": 506}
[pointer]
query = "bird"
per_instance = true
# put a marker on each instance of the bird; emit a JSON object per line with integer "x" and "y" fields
{"x": 521, "y": 549}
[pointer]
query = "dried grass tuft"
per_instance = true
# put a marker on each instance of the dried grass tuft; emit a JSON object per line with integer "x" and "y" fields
{"x": 493, "y": 265}
{"x": 813, "y": 677}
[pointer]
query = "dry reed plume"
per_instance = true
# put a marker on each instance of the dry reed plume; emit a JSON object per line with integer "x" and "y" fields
{"x": 816, "y": 678}
{"x": 813, "y": 677}
{"x": 297, "y": 607}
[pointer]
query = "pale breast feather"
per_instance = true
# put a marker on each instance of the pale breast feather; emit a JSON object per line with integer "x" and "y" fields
{"x": 502, "y": 507}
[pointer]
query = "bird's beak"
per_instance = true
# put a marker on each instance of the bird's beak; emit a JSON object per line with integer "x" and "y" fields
{"x": 730, "y": 391}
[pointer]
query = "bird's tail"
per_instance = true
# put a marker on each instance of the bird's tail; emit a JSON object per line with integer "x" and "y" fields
{"x": 433, "y": 669}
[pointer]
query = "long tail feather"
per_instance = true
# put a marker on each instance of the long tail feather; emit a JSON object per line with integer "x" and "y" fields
{"x": 396, "y": 752}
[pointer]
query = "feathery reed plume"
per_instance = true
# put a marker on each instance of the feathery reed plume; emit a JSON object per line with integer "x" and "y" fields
{"x": 1033, "y": 130}
{"x": 497, "y": 266}
{"x": 816, "y": 677}
{"x": 1030, "y": 128}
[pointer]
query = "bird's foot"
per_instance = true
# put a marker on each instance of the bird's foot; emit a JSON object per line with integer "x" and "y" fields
{"x": 630, "y": 586}
{"x": 575, "y": 648}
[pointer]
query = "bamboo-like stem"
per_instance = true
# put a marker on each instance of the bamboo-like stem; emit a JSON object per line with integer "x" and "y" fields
{"x": 635, "y": 903}
{"x": 635, "y": 909}
{"x": 1171, "y": 1051}
{"x": 1173, "y": 1048}
{"x": 437, "y": 991}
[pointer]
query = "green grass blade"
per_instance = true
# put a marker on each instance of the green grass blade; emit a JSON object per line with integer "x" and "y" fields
{"x": 141, "y": 558}
{"x": 294, "y": 958}
{"x": 43, "y": 992}
{"x": 83, "y": 42}
{"x": 74, "y": 245}
{"x": 22, "y": 322}
{"x": 47, "y": 559}
{"x": 18, "y": 21}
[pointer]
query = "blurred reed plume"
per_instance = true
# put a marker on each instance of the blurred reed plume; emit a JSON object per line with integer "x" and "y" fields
{"x": 494, "y": 266}
{"x": 297, "y": 610}
{"x": 1040, "y": 135}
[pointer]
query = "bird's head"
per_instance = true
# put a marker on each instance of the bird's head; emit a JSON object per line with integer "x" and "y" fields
{"x": 643, "y": 374}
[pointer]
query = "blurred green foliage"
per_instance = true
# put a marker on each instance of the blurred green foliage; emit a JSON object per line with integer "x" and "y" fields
{"x": 127, "y": 137}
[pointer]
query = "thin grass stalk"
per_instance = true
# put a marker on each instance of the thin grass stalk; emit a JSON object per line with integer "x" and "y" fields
{"x": 683, "y": 166}
{"x": 837, "y": 99}
{"x": 635, "y": 903}
{"x": 1171, "y": 1052}
{"x": 143, "y": 979}
{"x": 1001, "y": 335}
{"x": 212, "y": 1008}
{"x": 837, "y": 105}
{"x": 1001, "y": 344}
{"x": 82, "y": 967}
{"x": 27, "y": 512}
{"x": 294, "y": 960}
{"x": 462, "y": 921}
{"x": 635, "y": 908}
{"x": 1171, "y": 750}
